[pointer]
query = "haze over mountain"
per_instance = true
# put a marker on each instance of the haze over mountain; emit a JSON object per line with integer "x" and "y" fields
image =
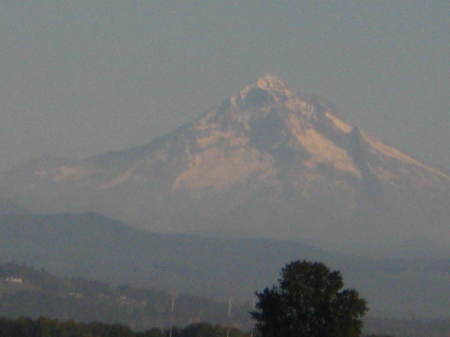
{"x": 266, "y": 162}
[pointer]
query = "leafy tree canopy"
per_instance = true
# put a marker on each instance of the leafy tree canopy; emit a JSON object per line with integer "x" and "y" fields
{"x": 309, "y": 302}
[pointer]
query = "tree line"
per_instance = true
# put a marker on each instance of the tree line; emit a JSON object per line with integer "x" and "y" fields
{"x": 45, "y": 327}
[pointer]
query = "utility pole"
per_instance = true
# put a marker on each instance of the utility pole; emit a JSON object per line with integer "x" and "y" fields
{"x": 229, "y": 316}
{"x": 252, "y": 329}
{"x": 172, "y": 311}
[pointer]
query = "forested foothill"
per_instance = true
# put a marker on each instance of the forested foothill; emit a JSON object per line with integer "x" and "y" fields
{"x": 28, "y": 292}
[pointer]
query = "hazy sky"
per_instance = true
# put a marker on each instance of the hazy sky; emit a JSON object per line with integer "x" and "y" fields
{"x": 82, "y": 77}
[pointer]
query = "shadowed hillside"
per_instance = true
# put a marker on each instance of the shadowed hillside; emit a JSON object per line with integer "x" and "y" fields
{"x": 96, "y": 247}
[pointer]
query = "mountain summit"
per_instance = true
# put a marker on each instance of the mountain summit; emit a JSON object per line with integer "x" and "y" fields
{"x": 267, "y": 161}
{"x": 272, "y": 85}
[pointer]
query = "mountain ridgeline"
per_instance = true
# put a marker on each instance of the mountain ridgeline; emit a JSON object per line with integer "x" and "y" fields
{"x": 96, "y": 247}
{"x": 266, "y": 162}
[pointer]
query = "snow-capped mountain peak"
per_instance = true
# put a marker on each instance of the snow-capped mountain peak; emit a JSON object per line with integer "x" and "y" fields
{"x": 267, "y": 162}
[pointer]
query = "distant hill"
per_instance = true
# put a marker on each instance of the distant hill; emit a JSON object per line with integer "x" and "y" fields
{"x": 27, "y": 292}
{"x": 96, "y": 247}
{"x": 10, "y": 207}
{"x": 411, "y": 327}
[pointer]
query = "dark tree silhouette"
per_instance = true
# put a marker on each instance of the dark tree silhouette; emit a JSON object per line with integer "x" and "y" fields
{"x": 309, "y": 302}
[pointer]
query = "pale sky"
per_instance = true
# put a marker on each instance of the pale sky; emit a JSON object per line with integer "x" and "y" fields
{"x": 79, "y": 77}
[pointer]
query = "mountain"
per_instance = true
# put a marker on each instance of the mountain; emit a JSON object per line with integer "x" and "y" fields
{"x": 266, "y": 162}
{"x": 96, "y": 247}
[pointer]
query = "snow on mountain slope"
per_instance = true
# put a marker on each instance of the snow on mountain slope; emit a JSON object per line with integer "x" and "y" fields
{"x": 267, "y": 162}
